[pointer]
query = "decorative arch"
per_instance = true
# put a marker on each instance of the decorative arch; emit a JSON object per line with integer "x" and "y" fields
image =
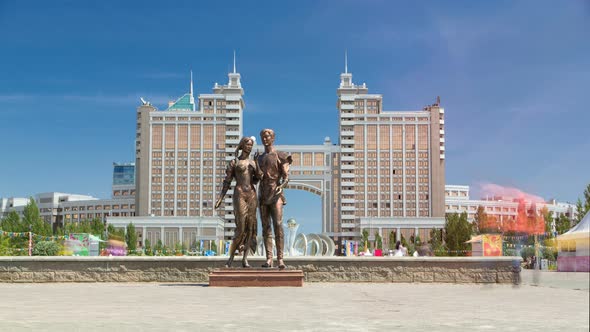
{"x": 304, "y": 186}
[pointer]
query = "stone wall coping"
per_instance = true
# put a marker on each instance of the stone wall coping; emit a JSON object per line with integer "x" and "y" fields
{"x": 287, "y": 259}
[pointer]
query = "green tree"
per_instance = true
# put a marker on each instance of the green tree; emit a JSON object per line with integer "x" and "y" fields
{"x": 147, "y": 246}
{"x": 562, "y": 224}
{"x": 70, "y": 227}
{"x": 549, "y": 253}
{"x": 158, "y": 248}
{"x": 85, "y": 227}
{"x": 436, "y": 242}
{"x": 131, "y": 238}
{"x": 97, "y": 227}
{"x": 479, "y": 220}
{"x": 403, "y": 241}
{"x": 391, "y": 244}
{"x": 178, "y": 248}
{"x": 116, "y": 233}
{"x": 31, "y": 212}
{"x": 13, "y": 223}
{"x": 18, "y": 245}
{"x": 194, "y": 245}
{"x": 378, "y": 241}
{"x": 582, "y": 206}
{"x": 33, "y": 221}
{"x": 364, "y": 239}
{"x": 548, "y": 219}
{"x": 5, "y": 249}
{"x": 166, "y": 251}
{"x": 457, "y": 232}
{"x": 417, "y": 240}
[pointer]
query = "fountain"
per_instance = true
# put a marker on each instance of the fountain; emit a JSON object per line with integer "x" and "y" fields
{"x": 301, "y": 244}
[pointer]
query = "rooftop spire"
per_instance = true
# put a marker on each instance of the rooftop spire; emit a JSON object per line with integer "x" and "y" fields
{"x": 346, "y": 62}
{"x": 234, "y": 61}
{"x": 191, "y": 82}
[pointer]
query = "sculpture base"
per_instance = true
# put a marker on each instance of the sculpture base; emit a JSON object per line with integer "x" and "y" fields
{"x": 255, "y": 277}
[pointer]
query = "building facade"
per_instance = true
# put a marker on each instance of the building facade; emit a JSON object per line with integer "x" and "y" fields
{"x": 58, "y": 208}
{"x": 181, "y": 152}
{"x": 123, "y": 181}
{"x": 391, "y": 171}
{"x": 457, "y": 200}
{"x": 386, "y": 172}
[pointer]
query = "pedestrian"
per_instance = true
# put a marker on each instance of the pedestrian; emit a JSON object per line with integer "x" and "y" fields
{"x": 399, "y": 249}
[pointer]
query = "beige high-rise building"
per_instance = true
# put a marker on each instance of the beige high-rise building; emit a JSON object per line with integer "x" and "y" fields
{"x": 181, "y": 152}
{"x": 392, "y": 165}
{"x": 386, "y": 174}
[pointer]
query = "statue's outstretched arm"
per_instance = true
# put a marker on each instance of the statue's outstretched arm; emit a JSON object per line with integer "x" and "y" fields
{"x": 229, "y": 175}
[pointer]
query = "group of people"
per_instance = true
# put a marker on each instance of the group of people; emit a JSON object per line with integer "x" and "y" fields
{"x": 271, "y": 170}
{"x": 400, "y": 250}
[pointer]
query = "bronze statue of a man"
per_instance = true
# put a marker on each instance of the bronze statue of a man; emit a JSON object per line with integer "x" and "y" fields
{"x": 274, "y": 166}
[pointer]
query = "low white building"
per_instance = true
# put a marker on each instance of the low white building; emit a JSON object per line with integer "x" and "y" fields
{"x": 457, "y": 200}
{"x": 57, "y": 208}
{"x": 171, "y": 230}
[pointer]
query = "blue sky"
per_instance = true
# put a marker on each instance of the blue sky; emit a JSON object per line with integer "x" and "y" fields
{"x": 513, "y": 77}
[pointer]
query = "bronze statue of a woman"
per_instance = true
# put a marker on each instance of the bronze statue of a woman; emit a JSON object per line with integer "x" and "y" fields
{"x": 244, "y": 170}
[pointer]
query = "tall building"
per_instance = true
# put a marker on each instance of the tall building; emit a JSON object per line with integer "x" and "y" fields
{"x": 181, "y": 152}
{"x": 386, "y": 174}
{"x": 123, "y": 181}
{"x": 392, "y": 164}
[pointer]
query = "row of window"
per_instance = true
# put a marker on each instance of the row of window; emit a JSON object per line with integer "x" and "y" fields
{"x": 97, "y": 207}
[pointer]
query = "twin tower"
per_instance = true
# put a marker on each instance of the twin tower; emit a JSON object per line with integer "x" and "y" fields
{"x": 387, "y": 172}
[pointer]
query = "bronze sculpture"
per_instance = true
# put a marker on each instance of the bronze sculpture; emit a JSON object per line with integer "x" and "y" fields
{"x": 274, "y": 166}
{"x": 246, "y": 173}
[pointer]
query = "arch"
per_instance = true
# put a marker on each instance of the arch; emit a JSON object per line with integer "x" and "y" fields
{"x": 306, "y": 187}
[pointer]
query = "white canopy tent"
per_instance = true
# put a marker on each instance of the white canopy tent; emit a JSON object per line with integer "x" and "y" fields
{"x": 574, "y": 248}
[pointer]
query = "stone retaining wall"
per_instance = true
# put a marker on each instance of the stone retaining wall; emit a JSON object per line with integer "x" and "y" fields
{"x": 316, "y": 269}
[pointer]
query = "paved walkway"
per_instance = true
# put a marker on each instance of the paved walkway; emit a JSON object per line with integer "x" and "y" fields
{"x": 314, "y": 307}
{"x": 553, "y": 279}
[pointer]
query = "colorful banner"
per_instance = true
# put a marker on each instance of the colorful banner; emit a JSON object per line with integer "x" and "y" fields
{"x": 492, "y": 245}
{"x": 77, "y": 244}
{"x": 35, "y": 236}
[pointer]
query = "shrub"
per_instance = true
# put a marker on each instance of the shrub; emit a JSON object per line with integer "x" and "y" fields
{"x": 46, "y": 248}
{"x": 510, "y": 252}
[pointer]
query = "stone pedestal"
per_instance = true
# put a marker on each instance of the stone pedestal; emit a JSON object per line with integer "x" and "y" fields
{"x": 252, "y": 277}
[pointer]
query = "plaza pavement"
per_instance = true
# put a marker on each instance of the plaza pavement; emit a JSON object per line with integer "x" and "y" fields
{"x": 547, "y": 301}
